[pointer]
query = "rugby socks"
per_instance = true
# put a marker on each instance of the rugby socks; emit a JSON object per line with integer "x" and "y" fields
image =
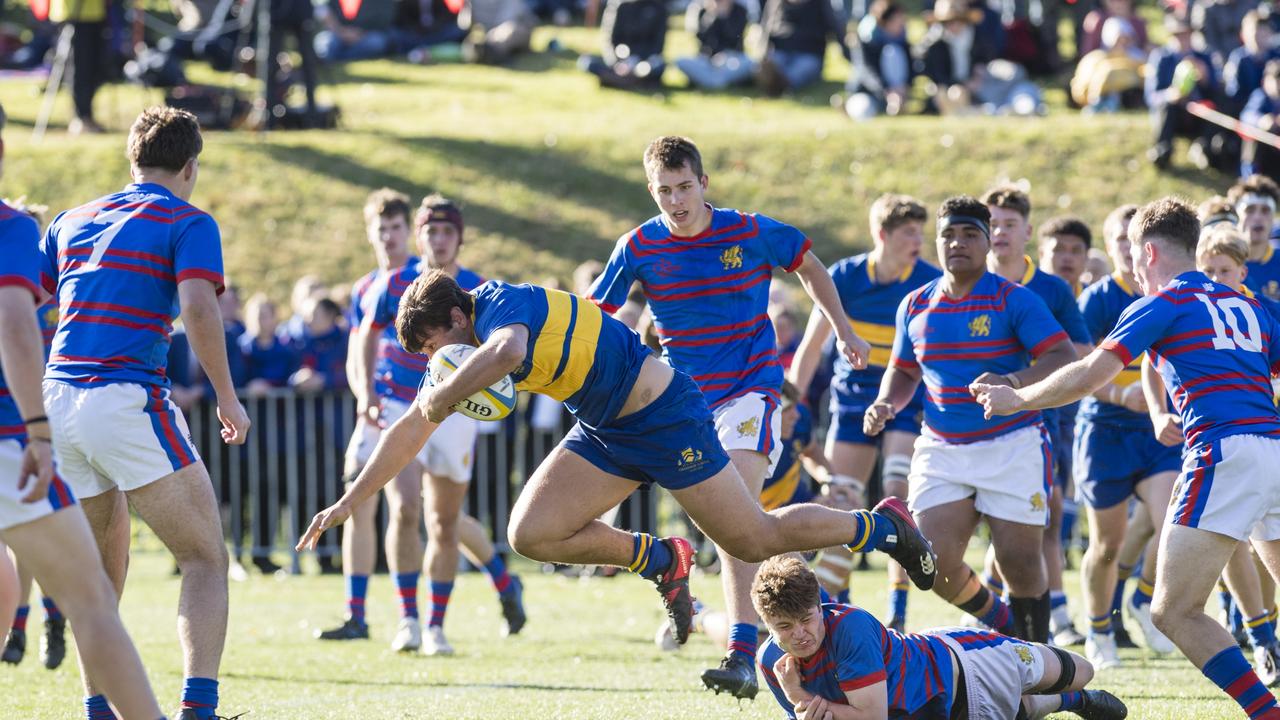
{"x": 1031, "y": 617}
{"x": 497, "y": 570}
{"x": 872, "y": 532}
{"x": 96, "y": 708}
{"x": 407, "y": 589}
{"x": 1231, "y": 672}
{"x": 1224, "y": 598}
{"x": 200, "y": 695}
{"x": 440, "y": 592}
{"x": 994, "y": 584}
{"x": 20, "y": 618}
{"x": 898, "y": 602}
{"x": 1101, "y": 625}
{"x": 1261, "y": 632}
{"x": 357, "y": 589}
{"x": 1123, "y": 572}
{"x": 1142, "y": 596}
{"x": 996, "y": 617}
{"x": 650, "y": 557}
{"x": 1070, "y": 701}
{"x": 1058, "y": 608}
{"x": 742, "y": 640}
{"x": 51, "y": 611}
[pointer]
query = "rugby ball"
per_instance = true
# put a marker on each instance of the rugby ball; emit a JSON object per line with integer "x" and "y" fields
{"x": 493, "y": 403}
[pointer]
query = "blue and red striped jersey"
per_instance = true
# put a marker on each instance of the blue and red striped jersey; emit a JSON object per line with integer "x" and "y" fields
{"x": 20, "y": 248}
{"x": 998, "y": 327}
{"x": 709, "y": 295}
{"x": 364, "y": 297}
{"x": 1102, "y": 304}
{"x": 859, "y": 651}
{"x": 872, "y": 308}
{"x": 403, "y": 371}
{"x": 1216, "y": 350}
{"x": 114, "y": 266}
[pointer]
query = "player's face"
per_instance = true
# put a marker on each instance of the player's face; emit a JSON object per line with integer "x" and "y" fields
{"x": 904, "y": 244}
{"x": 1256, "y": 222}
{"x": 1140, "y": 253}
{"x": 679, "y": 195}
{"x": 1010, "y": 233}
{"x": 790, "y": 414}
{"x": 458, "y": 333}
{"x": 1122, "y": 252}
{"x": 389, "y": 235}
{"x": 799, "y": 637}
{"x": 438, "y": 242}
{"x": 963, "y": 249}
{"x": 1224, "y": 270}
{"x": 1064, "y": 256}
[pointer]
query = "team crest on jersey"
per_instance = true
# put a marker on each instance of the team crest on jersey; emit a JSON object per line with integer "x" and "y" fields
{"x": 732, "y": 258}
{"x": 690, "y": 459}
{"x": 749, "y": 428}
{"x": 980, "y": 326}
{"x": 665, "y": 268}
{"x": 51, "y": 316}
{"x": 1024, "y": 654}
{"x": 1037, "y": 502}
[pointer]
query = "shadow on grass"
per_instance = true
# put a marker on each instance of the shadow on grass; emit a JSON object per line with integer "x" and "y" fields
{"x": 417, "y": 683}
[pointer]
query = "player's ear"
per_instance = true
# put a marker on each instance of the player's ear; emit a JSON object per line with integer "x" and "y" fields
{"x": 458, "y": 319}
{"x": 705, "y": 181}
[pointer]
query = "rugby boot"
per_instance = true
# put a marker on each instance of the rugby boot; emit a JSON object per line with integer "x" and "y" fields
{"x": 1101, "y": 705}
{"x": 53, "y": 646}
{"x": 513, "y": 607}
{"x": 736, "y": 676}
{"x": 190, "y": 714}
{"x": 673, "y": 586}
{"x": 910, "y": 548}
{"x": 15, "y": 647}
{"x": 350, "y": 629}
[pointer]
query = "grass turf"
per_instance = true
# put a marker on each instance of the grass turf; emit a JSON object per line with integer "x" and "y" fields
{"x": 587, "y": 652}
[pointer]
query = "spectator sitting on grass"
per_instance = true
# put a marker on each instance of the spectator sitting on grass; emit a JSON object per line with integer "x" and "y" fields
{"x": 1093, "y": 22}
{"x": 720, "y": 26}
{"x": 427, "y": 30}
{"x": 634, "y": 33}
{"x": 1263, "y": 112}
{"x": 1243, "y": 71}
{"x": 368, "y": 35}
{"x": 880, "y": 79}
{"x": 1108, "y": 76}
{"x": 500, "y": 30}
{"x": 1178, "y": 74}
{"x": 1219, "y": 23}
{"x": 796, "y": 34}
{"x": 964, "y": 74}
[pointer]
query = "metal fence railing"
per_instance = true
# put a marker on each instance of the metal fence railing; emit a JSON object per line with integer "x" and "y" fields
{"x": 291, "y": 467}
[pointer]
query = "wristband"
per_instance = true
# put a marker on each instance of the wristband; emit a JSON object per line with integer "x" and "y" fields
{"x": 1013, "y": 380}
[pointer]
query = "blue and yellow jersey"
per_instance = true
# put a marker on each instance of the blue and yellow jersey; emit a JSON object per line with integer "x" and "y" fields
{"x": 1264, "y": 275}
{"x": 871, "y": 308}
{"x": 788, "y": 483}
{"x": 1102, "y": 303}
{"x": 576, "y": 354}
{"x": 1058, "y": 295}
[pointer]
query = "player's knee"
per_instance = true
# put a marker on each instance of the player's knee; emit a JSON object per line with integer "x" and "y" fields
{"x": 524, "y": 542}
{"x": 407, "y": 511}
{"x": 746, "y": 548}
{"x": 442, "y": 528}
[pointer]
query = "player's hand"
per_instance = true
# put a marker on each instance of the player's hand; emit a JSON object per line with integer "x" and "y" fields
{"x": 877, "y": 416}
{"x": 37, "y": 470}
{"x": 996, "y": 399}
{"x": 435, "y": 410}
{"x": 990, "y": 378}
{"x": 816, "y": 708}
{"x": 1132, "y": 398}
{"x": 787, "y": 670}
{"x": 1168, "y": 429}
{"x": 331, "y": 516}
{"x": 235, "y": 422}
{"x": 845, "y": 492}
{"x": 853, "y": 348}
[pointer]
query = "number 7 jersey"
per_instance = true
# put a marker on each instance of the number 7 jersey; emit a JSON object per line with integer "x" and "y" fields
{"x": 1216, "y": 350}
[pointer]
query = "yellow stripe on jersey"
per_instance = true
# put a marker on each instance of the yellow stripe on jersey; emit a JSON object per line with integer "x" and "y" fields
{"x": 777, "y": 494}
{"x": 571, "y": 326}
{"x": 881, "y": 339}
{"x": 1131, "y": 374}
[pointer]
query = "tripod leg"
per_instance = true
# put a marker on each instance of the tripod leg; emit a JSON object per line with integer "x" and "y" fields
{"x": 55, "y": 81}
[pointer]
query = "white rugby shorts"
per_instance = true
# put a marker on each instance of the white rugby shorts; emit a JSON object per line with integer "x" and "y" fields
{"x": 1009, "y": 477}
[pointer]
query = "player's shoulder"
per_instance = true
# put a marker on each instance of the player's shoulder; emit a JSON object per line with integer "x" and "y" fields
{"x": 770, "y": 652}
{"x": 468, "y": 278}
{"x": 851, "y": 269}
{"x": 366, "y": 281}
{"x": 17, "y": 226}
{"x": 1053, "y": 284}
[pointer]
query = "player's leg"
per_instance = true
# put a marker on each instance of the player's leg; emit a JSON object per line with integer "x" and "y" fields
{"x": 1019, "y": 555}
{"x": 53, "y": 644}
{"x": 443, "y": 497}
{"x": 475, "y": 543}
{"x": 183, "y": 512}
{"x": 1241, "y": 576}
{"x": 1062, "y": 688}
{"x": 403, "y": 541}
{"x": 1155, "y": 492}
{"x": 1098, "y": 579}
{"x": 108, "y": 517}
{"x": 855, "y": 460}
{"x": 359, "y": 540}
{"x": 14, "y": 579}
{"x": 1137, "y": 540}
{"x": 59, "y": 550}
{"x": 1060, "y": 624}
{"x": 897, "y": 447}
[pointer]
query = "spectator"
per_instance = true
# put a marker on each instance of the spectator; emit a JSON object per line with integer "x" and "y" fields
{"x": 788, "y": 332}
{"x": 1263, "y": 112}
{"x": 964, "y": 74}
{"x": 322, "y": 350}
{"x": 368, "y": 35}
{"x": 1243, "y": 71}
{"x": 428, "y": 30}
{"x": 1177, "y": 74}
{"x": 1092, "y": 38}
{"x": 720, "y": 26}
{"x": 305, "y": 289}
{"x": 269, "y": 360}
{"x": 1216, "y": 210}
{"x": 880, "y": 79}
{"x": 90, "y": 53}
{"x": 1111, "y": 76}
{"x": 796, "y": 34}
{"x": 500, "y": 30}
{"x": 585, "y": 275}
{"x": 634, "y": 34}
{"x": 296, "y": 19}
{"x": 1220, "y": 23}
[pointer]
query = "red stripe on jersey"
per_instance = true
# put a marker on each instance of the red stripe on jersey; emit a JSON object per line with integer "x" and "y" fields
{"x": 950, "y": 437}
{"x": 1119, "y": 349}
{"x": 664, "y": 332}
{"x": 799, "y": 259}
{"x": 928, "y": 357}
{"x": 770, "y": 392}
{"x": 1047, "y": 343}
{"x": 967, "y": 344}
{"x": 607, "y": 307}
{"x": 864, "y": 681}
{"x": 112, "y": 307}
{"x": 116, "y": 360}
{"x": 22, "y": 282}
{"x": 117, "y": 253}
{"x": 212, "y": 276}
{"x": 77, "y": 317}
{"x": 701, "y": 282}
{"x": 717, "y": 340}
{"x": 70, "y": 265}
{"x": 759, "y": 275}
{"x": 905, "y": 363}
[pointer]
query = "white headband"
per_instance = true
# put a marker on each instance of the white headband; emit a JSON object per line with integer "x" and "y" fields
{"x": 1251, "y": 199}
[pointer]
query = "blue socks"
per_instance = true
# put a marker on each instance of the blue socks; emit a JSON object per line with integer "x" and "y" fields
{"x": 1070, "y": 701}
{"x": 871, "y": 532}
{"x": 440, "y": 593}
{"x": 1142, "y": 596}
{"x": 407, "y": 590}
{"x": 898, "y": 602}
{"x": 650, "y": 557}
{"x": 200, "y": 695}
{"x": 357, "y": 589}
{"x": 1231, "y": 672}
{"x": 742, "y": 640}
{"x": 497, "y": 570}
{"x": 1261, "y": 632}
{"x": 96, "y": 708}
{"x": 51, "y": 611}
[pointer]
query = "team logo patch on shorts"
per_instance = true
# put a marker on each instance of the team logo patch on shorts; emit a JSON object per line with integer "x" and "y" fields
{"x": 1037, "y": 502}
{"x": 980, "y": 326}
{"x": 749, "y": 428}
{"x": 690, "y": 459}
{"x": 1024, "y": 654}
{"x": 732, "y": 258}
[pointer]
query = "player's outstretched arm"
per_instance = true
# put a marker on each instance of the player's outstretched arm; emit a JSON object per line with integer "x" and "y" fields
{"x": 1065, "y": 385}
{"x": 23, "y": 360}
{"x": 809, "y": 352}
{"x": 1168, "y": 426}
{"x": 896, "y": 389}
{"x": 817, "y": 282}
{"x": 396, "y": 447}
{"x": 495, "y": 359}
{"x": 198, "y": 299}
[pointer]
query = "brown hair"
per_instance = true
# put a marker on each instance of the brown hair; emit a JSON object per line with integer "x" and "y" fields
{"x": 437, "y": 208}
{"x": 1009, "y": 198}
{"x": 1260, "y": 184}
{"x": 385, "y": 202}
{"x": 1223, "y": 240}
{"x": 1215, "y": 210}
{"x": 785, "y": 588}
{"x": 1065, "y": 225}
{"x": 427, "y": 304}
{"x": 672, "y": 152}
{"x": 1117, "y": 221}
{"x": 890, "y": 212}
{"x": 164, "y": 137}
{"x": 1169, "y": 219}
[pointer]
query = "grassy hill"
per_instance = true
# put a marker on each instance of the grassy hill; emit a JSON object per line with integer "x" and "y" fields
{"x": 547, "y": 165}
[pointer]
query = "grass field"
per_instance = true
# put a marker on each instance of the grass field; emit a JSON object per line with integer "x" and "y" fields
{"x": 586, "y": 653}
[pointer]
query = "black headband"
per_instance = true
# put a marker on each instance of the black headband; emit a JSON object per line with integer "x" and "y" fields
{"x": 946, "y": 221}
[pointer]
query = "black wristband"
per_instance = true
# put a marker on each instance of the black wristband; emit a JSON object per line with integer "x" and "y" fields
{"x": 36, "y": 419}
